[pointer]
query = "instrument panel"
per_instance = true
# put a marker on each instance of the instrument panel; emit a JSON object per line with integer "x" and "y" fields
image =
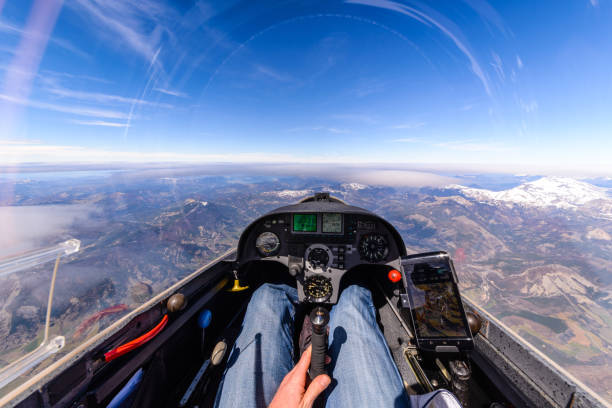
{"x": 344, "y": 240}
{"x": 318, "y": 247}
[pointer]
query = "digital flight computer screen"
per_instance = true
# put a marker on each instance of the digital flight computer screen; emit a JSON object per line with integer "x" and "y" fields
{"x": 436, "y": 308}
{"x": 332, "y": 223}
{"x": 305, "y": 222}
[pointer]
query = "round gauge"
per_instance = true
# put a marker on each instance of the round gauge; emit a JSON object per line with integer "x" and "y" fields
{"x": 373, "y": 247}
{"x": 267, "y": 243}
{"x": 318, "y": 289}
{"x": 318, "y": 258}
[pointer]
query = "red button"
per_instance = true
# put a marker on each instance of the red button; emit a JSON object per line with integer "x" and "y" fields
{"x": 394, "y": 276}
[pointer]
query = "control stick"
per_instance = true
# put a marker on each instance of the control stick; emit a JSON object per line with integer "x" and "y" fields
{"x": 319, "y": 317}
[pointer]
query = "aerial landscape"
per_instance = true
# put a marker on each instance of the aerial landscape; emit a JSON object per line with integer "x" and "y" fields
{"x": 154, "y": 131}
{"x": 535, "y": 255}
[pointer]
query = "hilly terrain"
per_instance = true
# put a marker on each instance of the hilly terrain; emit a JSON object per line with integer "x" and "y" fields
{"x": 536, "y": 254}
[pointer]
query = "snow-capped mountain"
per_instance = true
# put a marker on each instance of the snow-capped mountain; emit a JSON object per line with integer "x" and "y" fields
{"x": 354, "y": 186}
{"x": 286, "y": 194}
{"x": 558, "y": 192}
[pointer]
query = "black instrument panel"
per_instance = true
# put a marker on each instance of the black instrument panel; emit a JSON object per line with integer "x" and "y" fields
{"x": 319, "y": 241}
{"x": 351, "y": 239}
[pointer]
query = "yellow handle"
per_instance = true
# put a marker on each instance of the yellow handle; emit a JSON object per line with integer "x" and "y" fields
{"x": 237, "y": 287}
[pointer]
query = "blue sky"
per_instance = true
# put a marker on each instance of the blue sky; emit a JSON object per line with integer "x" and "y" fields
{"x": 518, "y": 86}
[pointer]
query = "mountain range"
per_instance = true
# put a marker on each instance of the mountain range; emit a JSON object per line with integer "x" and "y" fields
{"x": 558, "y": 192}
{"x": 537, "y": 254}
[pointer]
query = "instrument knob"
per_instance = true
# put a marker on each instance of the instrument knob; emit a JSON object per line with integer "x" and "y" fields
{"x": 474, "y": 321}
{"x": 295, "y": 270}
{"x": 176, "y": 302}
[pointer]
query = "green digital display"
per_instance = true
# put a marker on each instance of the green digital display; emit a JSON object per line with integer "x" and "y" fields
{"x": 305, "y": 222}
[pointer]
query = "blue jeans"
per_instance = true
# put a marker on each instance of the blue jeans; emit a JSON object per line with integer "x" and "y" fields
{"x": 362, "y": 369}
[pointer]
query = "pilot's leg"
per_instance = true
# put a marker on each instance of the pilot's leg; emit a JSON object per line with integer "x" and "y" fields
{"x": 262, "y": 354}
{"x": 362, "y": 369}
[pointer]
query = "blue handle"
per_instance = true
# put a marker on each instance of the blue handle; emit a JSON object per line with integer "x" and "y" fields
{"x": 204, "y": 318}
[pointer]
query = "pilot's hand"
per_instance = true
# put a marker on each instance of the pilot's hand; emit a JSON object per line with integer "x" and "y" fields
{"x": 292, "y": 393}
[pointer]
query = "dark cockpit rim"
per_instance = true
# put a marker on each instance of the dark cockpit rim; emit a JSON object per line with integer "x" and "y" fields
{"x": 304, "y": 206}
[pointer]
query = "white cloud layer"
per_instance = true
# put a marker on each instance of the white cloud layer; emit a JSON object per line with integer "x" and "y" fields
{"x": 398, "y": 178}
{"x": 29, "y": 227}
{"x": 20, "y": 153}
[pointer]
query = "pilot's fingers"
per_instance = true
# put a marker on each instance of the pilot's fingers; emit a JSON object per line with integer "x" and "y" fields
{"x": 316, "y": 387}
{"x": 304, "y": 363}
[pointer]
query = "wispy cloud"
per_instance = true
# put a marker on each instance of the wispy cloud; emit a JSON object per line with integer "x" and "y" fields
{"x": 355, "y": 117}
{"x": 320, "y": 129}
{"x": 18, "y": 142}
{"x": 51, "y": 78}
{"x": 101, "y": 97}
{"x": 271, "y": 73}
{"x": 74, "y": 110}
{"x": 498, "y": 67}
{"x": 336, "y": 130}
{"x": 139, "y": 24}
{"x": 488, "y": 13}
{"x": 368, "y": 86}
{"x": 594, "y": 3}
{"x": 447, "y": 27}
{"x": 519, "y": 62}
{"x": 100, "y": 123}
{"x": 529, "y": 107}
{"x": 407, "y": 140}
{"x": 9, "y": 28}
{"x": 46, "y": 74}
{"x": 171, "y": 92}
{"x": 474, "y": 146}
{"x": 409, "y": 125}
{"x": 68, "y": 46}
{"x": 6, "y": 27}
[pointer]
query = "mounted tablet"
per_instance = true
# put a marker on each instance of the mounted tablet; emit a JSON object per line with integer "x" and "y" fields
{"x": 438, "y": 317}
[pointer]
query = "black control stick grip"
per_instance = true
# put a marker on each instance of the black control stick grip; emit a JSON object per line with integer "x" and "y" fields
{"x": 319, "y": 349}
{"x": 319, "y": 317}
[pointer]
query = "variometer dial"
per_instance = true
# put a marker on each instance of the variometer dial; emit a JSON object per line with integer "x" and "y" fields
{"x": 373, "y": 247}
{"x": 318, "y": 289}
{"x": 267, "y": 243}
